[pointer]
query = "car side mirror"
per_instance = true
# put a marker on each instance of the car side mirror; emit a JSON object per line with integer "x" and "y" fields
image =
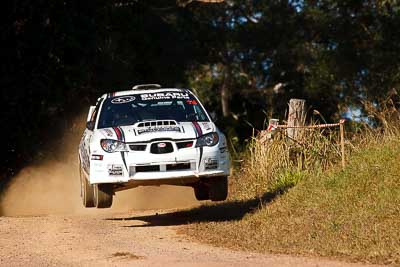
{"x": 90, "y": 113}
{"x": 90, "y": 125}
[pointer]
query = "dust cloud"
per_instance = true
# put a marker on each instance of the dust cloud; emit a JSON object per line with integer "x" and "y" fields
{"x": 52, "y": 186}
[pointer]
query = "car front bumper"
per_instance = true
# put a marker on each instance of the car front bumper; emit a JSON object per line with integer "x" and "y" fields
{"x": 183, "y": 167}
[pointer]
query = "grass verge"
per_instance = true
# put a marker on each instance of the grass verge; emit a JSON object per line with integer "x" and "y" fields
{"x": 352, "y": 214}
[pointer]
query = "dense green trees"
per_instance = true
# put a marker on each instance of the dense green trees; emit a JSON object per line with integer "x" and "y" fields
{"x": 59, "y": 55}
{"x": 333, "y": 53}
{"x": 245, "y": 58}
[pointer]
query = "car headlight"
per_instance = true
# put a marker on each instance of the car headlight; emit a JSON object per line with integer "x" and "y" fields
{"x": 210, "y": 139}
{"x": 109, "y": 145}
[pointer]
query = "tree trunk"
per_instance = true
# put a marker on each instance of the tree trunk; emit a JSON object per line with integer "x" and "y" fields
{"x": 225, "y": 92}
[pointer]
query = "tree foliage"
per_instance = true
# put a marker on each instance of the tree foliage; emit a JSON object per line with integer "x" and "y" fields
{"x": 245, "y": 58}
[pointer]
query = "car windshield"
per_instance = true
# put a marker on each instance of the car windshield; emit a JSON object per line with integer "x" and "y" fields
{"x": 130, "y": 109}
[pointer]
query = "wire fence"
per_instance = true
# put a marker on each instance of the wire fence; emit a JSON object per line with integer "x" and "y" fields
{"x": 274, "y": 125}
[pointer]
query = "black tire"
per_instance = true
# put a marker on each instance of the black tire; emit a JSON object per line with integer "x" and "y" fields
{"x": 201, "y": 192}
{"x": 219, "y": 188}
{"x": 87, "y": 191}
{"x": 103, "y": 195}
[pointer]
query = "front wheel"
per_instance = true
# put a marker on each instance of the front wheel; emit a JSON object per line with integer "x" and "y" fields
{"x": 201, "y": 192}
{"x": 103, "y": 195}
{"x": 219, "y": 188}
{"x": 86, "y": 191}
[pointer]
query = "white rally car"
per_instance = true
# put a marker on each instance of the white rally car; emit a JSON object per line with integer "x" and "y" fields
{"x": 151, "y": 136}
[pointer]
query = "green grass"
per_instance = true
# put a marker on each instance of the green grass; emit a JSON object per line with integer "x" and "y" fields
{"x": 287, "y": 180}
{"x": 352, "y": 214}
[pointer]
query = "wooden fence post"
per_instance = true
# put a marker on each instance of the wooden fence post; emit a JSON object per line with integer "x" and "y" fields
{"x": 342, "y": 143}
{"x": 296, "y": 116}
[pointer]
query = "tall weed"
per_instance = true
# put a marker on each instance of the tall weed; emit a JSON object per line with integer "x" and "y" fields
{"x": 269, "y": 160}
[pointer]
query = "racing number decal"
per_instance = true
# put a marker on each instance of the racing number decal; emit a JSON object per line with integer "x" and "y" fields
{"x": 192, "y": 102}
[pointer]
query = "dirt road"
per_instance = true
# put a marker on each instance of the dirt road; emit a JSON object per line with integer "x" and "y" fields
{"x": 135, "y": 239}
{"x": 139, "y": 230}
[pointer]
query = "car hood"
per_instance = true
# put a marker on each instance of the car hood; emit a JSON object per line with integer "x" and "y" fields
{"x": 147, "y": 131}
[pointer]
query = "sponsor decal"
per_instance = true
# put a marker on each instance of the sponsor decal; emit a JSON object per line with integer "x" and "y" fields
{"x": 210, "y": 163}
{"x": 123, "y": 99}
{"x": 159, "y": 129}
{"x": 108, "y": 132}
{"x": 167, "y": 96}
{"x": 115, "y": 170}
{"x": 207, "y": 126}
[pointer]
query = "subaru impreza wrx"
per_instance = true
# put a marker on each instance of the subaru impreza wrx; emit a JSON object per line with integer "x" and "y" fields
{"x": 151, "y": 136}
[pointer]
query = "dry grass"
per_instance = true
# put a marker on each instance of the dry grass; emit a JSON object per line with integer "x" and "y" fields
{"x": 278, "y": 164}
{"x": 352, "y": 214}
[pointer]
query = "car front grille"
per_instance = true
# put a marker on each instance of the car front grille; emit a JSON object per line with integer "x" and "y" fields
{"x": 161, "y": 148}
{"x": 148, "y": 168}
{"x": 179, "y": 166}
{"x": 184, "y": 144}
{"x": 137, "y": 147}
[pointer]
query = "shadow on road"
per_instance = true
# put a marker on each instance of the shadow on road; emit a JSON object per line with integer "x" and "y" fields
{"x": 226, "y": 211}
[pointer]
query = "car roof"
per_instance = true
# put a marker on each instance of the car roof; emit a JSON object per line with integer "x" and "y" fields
{"x": 145, "y": 91}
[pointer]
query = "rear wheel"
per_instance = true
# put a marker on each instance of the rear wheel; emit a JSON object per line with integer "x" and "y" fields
{"x": 86, "y": 191}
{"x": 103, "y": 195}
{"x": 201, "y": 192}
{"x": 219, "y": 188}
